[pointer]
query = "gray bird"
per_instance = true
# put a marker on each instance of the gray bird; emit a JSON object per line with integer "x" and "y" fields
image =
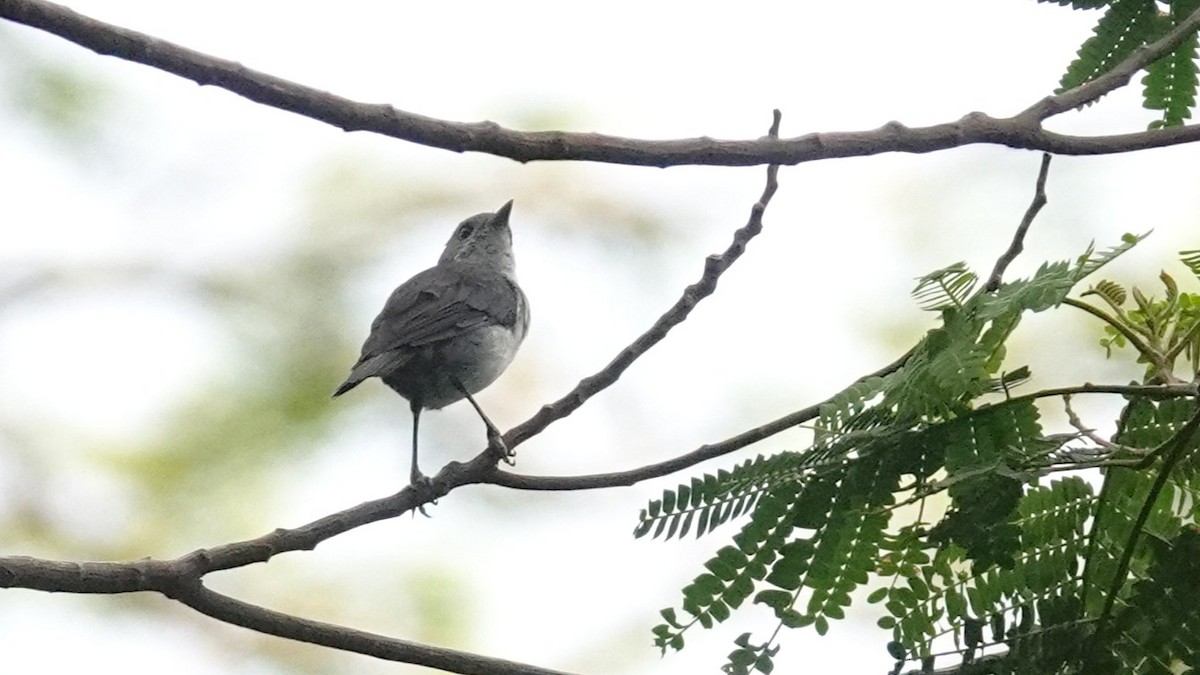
{"x": 450, "y": 331}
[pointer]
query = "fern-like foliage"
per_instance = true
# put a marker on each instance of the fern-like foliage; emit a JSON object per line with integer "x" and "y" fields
{"x": 1079, "y": 4}
{"x": 1192, "y": 260}
{"x": 1009, "y": 563}
{"x": 1125, "y": 26}
{"x": 1159, "y": 626}
{"x": 933, "y": 592}
{"x": 945, "y": 288}
{"x": 712, "y": 500}
{"x": 1090, "y": 261}
{"x": 1170, "y": 82}
{"x": 1169, "y": 86}
{"x": 1172, "y": 516}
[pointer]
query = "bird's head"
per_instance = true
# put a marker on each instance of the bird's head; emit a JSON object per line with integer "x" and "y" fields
{"x": 483, "y": 239}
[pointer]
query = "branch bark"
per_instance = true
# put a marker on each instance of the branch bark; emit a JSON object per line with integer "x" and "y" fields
{"x": 1022, "y": 131}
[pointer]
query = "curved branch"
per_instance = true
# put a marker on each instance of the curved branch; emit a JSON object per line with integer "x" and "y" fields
{"x": 1022, "y": 131}
{"x": 714, "y": 450}
{"x": 660, "y": 469}
{"x": 246, "y": 615}
{"x": 670, "y": 466}
{"x": 1134, "y": 339}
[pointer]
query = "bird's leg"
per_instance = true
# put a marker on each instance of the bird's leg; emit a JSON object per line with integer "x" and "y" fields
{"x": 416, "y": 477}
{"x": 495, "y": 439}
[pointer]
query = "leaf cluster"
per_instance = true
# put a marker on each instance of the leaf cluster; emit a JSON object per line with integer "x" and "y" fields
{"x": 1161, "y": 331}
{"x": 1002, "y": 558}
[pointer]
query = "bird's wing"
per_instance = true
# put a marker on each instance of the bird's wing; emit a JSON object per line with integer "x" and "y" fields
{"x": 440, "y": 304}
{"x": 435, "y": 305}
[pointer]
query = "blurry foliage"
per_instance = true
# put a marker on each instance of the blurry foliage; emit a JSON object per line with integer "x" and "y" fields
{"x": 1018, "y": 567}
{"x": 65, "y": 103}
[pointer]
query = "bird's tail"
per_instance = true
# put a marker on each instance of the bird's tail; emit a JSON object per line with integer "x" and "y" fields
{"x": 350, "y": 383}
{"x": 377, "y": 365}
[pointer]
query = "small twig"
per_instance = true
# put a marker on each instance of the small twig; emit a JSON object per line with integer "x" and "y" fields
{"x": 925, "y": 490}
{"x": 1134, "y": 339}
{"x": 1018, "y": 242}
{"x": 1182, "y": 343}
{"x": 1085, "y": 431}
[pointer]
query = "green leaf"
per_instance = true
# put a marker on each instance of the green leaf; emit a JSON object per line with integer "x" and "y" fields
{"x": 777, "y": 600}
{"x": 821, "y": 625}
{"x": 1127, "y": 25}
{"x": 1170, "y": 82}
{"x": 946, "y": 288}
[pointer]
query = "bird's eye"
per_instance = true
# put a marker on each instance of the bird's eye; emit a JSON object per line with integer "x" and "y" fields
{"x": 464, "y": 232}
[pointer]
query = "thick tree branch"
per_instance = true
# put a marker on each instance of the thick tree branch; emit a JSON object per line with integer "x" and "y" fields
{"x": 1022, "y": 131}
{"x": 230, "y": 610}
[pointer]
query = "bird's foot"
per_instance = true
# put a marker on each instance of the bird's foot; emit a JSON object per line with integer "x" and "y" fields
{"x": 424, "y": 486}
{"x": 498, "y": 448}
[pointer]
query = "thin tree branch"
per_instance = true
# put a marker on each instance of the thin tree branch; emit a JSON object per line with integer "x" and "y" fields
{"x": 1134, "y": 339}
{"x": 1156, "y": 392}
{"x": 1022, "y": 131}
{"x": 147, "y": 574}
{"x": 1086, "y": 431}
{"x": 665, "y": 468}
{"x": 714, "y": 267}
{"x": 1018, "y": 242}
{"x": 714, "y": 450}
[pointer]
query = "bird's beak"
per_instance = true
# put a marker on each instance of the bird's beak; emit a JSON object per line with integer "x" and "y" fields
{"x": 502, "y": 214}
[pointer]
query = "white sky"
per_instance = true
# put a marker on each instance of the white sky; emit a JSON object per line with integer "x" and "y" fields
{"x": 819, "y": 299}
